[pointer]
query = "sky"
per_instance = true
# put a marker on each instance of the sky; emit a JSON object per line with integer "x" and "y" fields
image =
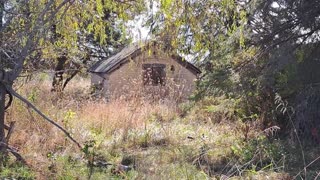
{"x": 136, "y": 29}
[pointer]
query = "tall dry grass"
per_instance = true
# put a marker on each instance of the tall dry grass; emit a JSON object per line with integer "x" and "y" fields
{"x": 163, "y": 145}
{"x": 84, "y": 117}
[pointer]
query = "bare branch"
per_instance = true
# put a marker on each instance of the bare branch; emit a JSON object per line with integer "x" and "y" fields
{"x": 29, "y": 104}
{"x": 306, "y": 167}
{"x": 14, "y": 152}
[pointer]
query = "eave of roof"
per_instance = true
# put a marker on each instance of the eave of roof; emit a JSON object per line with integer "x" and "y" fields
{"x": 108, "y": 64}
{"x": 186, "y": 64}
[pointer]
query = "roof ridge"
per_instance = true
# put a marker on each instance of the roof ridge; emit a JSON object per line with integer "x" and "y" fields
{"x": 112, "y": 62}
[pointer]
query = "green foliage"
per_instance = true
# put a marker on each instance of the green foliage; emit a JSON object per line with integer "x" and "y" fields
{"x": 199, "y": 27}
{"x": 16, "y": 171}
{"x": 66, "y": 167}
{"x": 260, "y": 153}
{"x": 213, "y": 109}
{"x": 185, "y": 108}
{"x": 182, "y": 171}
{"x": 230, "y": 88}
{"x": 50, "y": 29}
{"x": 33, "y": 95}
{"x": 67, "y": 119}
{"x": 286, "y": 81}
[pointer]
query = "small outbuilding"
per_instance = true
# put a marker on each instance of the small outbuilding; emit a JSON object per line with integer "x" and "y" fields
{"x": 144, "y": 70}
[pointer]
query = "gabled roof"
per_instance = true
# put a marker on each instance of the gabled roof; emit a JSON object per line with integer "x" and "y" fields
{"x": 131, "y": 51}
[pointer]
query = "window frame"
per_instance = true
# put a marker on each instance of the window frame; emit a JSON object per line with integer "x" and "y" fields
{"x": 154, "y": 74}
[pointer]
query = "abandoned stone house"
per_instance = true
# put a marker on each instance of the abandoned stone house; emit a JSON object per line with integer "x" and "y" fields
{"x": 145, "y": 70}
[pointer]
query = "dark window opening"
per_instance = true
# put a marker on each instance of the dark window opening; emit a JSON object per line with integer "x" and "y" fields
{"x": 154, "y": 74}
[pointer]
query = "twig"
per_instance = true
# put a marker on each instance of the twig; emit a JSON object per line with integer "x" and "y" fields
{"x": 10, "y": 130}
{"x": 318, "y": 175}
{"x": 29, "y": 104}
{"x": 33, "y": 119}
{"x": 230, "y": 173}
{"x": 284, "y": 110}
{"x": 307, "y": 167}
{"x": 300, "y": 144}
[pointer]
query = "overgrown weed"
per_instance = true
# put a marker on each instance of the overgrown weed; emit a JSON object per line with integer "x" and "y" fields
{"x": 139, "y": 139}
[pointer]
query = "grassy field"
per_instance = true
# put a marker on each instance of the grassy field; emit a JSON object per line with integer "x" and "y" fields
{"x": 138, "y": 139}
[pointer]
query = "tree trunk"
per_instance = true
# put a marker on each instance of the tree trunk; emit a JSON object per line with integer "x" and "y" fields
{"x": 57, "y": 84}
{"x": 69, "y": 79}
{"x": 1, "y": 13}
{"x": 77, "y": 68}
{"x": 2, "y": 98}
{"x": 2, "y": 126}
